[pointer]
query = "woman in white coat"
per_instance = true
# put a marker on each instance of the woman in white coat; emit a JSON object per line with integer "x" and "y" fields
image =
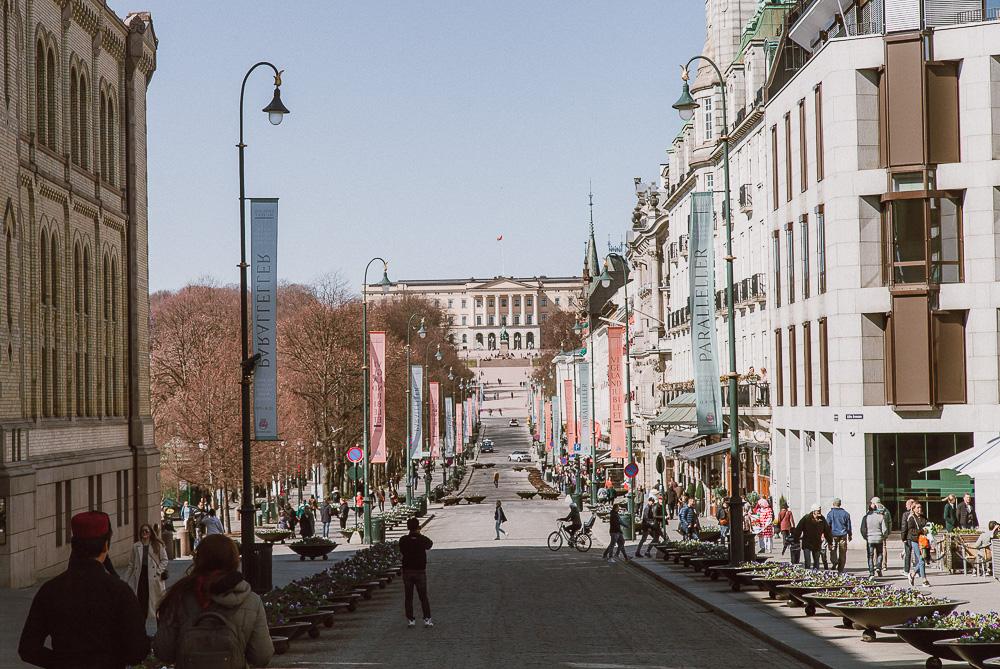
{"x": 146, "y": 568}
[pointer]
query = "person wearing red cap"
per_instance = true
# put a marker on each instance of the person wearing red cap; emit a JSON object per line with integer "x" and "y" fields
{"x": 92, "y": 617}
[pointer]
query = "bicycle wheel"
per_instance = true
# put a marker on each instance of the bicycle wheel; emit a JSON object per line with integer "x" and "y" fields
{"x": 555, "y": 541}
{"x": 583, "y": 543}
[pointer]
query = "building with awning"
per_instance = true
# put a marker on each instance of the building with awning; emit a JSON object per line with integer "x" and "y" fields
{"x": 981, "y": 464}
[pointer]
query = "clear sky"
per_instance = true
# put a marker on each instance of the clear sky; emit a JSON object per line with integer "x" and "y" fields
{"x": 420, "y": 130}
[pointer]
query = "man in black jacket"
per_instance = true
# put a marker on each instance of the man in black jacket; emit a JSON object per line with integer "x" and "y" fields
{"x": 414, "y": 547}
{"x": 811, "y": 531}
{"x": 92, "y": 617}
{"x": 649, "y": 525}
{"x": 967, "y": 519}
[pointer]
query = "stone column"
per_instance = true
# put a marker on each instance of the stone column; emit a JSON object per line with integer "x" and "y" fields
{"x": 534, "y": 309}
{"x": 496, "y": 309}
{"x": 510, "y": 309}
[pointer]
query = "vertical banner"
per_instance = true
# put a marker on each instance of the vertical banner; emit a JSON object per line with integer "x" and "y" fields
{"x": 416, "y": 410}
{"x": 616, "y": 335}
{"x": 548, "y": 427}
{"x": 376, "y": 396}
{"x": 459, "y": 429}
{"x": 468, "y": 420}
{"x": 264, "y": 293}
{"x": 704, "y": 344}
{"x": 556, "y": 425}
{"x": 434, "y": 415}
{"x": 449, "y": 427}
{"x": 540, "y": 429}
{"x": 568, "y": 394}
{"x": 586, "y": 413}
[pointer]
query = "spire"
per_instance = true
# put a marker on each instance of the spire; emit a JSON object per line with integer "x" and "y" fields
{"x": 592, "y": 266}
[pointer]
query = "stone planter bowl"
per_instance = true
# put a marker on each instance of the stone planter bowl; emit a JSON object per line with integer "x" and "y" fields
{"x": 873, "y": 618}
{"x": 771, "y": 585}
{"x": 281, "y": 644}
{"x": 524, "y": 494}
{"x": 979, "y": 655}
{"x": 475, "y": 499}
{"x": 313, "y": 551}
{"x": 290, "y": 631}
{"x": 924, "y": 638}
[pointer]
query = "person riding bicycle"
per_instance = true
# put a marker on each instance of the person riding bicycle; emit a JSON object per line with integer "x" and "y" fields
{"x": 575, "y": 523}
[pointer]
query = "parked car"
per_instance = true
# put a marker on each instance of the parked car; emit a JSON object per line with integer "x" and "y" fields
{"x": 513, "y": 423}
{"x": 519, "y": 456}
{"x": 486, "y": 447}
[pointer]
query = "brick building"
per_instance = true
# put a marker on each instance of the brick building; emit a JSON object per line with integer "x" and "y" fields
{"x": 75, "y": 423}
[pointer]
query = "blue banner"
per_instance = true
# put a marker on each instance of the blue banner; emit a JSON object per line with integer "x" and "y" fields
{"x": 704, "y": 341}
{"x": 416, "y": 410}
{"x": 264, "y": 301}
{"x": 449, "y": 427}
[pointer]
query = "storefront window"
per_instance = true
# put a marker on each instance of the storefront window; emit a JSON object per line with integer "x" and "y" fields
{"x": 898, "y": 459}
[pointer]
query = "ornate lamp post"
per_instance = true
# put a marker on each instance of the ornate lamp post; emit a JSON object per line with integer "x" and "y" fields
{"x": 685, "y": 106}
{"x": 384, "y": 285}
{"x": 422, "y": 333}
{"x": 275, "y": 113}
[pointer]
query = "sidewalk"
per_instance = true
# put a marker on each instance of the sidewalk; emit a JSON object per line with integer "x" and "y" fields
{"x": 819, "y": 640}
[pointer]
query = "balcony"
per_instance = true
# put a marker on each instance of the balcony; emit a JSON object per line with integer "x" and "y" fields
{"x": 678, "y": 318}
{"x": 753, "y": 397}
{"x": 672, "y": 254}
{"x": 645, "y": 289}
{"x": 746, "y": 199}
{"x": 683, "y": 245}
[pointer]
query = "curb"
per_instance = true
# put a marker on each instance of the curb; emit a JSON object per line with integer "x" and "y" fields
{"x": 734, "y": 620}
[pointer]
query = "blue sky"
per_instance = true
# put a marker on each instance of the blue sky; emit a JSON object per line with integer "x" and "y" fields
{"x": 419, "y": 130}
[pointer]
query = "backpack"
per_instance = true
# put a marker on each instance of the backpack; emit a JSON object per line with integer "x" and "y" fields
{"x": 211, "y": 642}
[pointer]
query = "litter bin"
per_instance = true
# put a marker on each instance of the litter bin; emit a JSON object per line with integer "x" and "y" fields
{"x": 421, "y": 503}
{"x": 262, "y": 579}
{"x": 628, "y": 526}
{"x": 578, "y": 500}
{"x": 378, "y": 530}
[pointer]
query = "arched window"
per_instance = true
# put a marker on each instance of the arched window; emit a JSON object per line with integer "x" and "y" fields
{"x": 88, "y": 339}
{"x": 6, "y": 52}
{"x": 115, "y": 380}
{"x": 84, "y": 122}
{"x": 77, "y": 309}
{"x": 531, "y": 340}
{"x": 50, "y": 97}
{"x": 465, "y": 339}
{"x": 43, "y": 263}
{"x": 517, "y": 340}
{"x": 479, "y": 340}
{"x": 106, "y": 337}
{"x": 41, "y": 106}
{"x": 9, "y": 271}
{"x": 102, "y": 133}
{"x": 74, "y": 116}
{"x": 54, "y": 342}
{"x": 112, "y": 142}
{"x": 491, "y": 342}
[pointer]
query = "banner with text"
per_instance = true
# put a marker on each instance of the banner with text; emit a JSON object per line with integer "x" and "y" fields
{"x": 548, "y": 427}
{"x": 416, "y": 410}
{"x": 616, "y": 335}
{"x": 376, "y": 396}
{"x": 568, "y": 394}
{"x": 557, "y": 424}
{"x": 434, "y": 416}
{"x": 586, "y": 419}
{"x": 264, "y": 293}
{"x": 449, "y": 427}
{"x": 704, "y": 345}
{"x": 459, "y": 429}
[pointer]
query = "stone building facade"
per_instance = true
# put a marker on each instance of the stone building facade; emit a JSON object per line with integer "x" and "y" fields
{"x": 76, "y": 430}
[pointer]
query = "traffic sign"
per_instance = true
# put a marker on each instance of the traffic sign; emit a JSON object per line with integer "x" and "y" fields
{"x": 631, "y": 470}
{"x": 355, "y": 473}
{"x": 355, "y": 454}
{"x": 660, "y": 465}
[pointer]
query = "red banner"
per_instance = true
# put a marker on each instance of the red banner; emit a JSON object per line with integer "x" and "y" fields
{"x": 458, "y": 428}
{"x": 570, "y": 406}
{"x": 435, "y": 419}
{"x": 548, "y": 426}
{"x": 376, "y": 396}
{"x": 616, "y": 336}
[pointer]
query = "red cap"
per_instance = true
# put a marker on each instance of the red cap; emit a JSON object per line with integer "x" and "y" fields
{"x": 90, "y": 525}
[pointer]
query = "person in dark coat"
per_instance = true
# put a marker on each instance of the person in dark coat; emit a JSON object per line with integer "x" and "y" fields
{"x": 811, "y": 531}
{"x": 345, "y": 511}
{"x": 92, "y": 618}
{"x": 671, "y": 494}
{"x": 499, "y": 518}
{"x": 950, "y": 513}
{"x": 967, "y": 519}
{"x": 306, "y": 523}
{"x": 325, "y": 516}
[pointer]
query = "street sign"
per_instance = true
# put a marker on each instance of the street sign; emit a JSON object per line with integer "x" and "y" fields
{"x": 576, "y": 447}
{"x": 355, "y": 473}
{"x": 631, "y": 470}
{"x": 355, "y": 454}
{"x": 855, "y": 416}
{"x": 660, "y": 465}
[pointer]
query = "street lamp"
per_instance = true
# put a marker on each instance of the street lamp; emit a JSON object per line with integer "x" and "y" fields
{"x": 605, "y": 280}
{"x": 422, "y": 333}
{"x": 275, "y": 112}
{"x": 685, "y": 106}
{"x": 384, "y": 285}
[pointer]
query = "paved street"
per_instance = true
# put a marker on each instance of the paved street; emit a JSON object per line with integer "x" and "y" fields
{"x": 514, "y": 603}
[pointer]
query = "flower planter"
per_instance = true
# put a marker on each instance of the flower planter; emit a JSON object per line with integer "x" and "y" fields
{"x": 709, "y": 535}
{"x": 451, "y": 501}
{"x": 975, "y": 654}
{"x": 815, "y": 601}
{"x": 349, "y": 598}
{"x": 281, "y": 644}
{"x": 729, "y": 572}
{"x": 475, "y": 499}
{"x": 290, "y": 630}
{"x": 924, "y": 638}
{"x": 554, "y": 495}
{"x": 872, "y": 618}
{"x": 771, "y": 585}
{"x": 314, "y": 620}
{"x": 701, "y": 564}
{"x": 273, "y": 536}
{"x": 313, "y": 551}
{"x": 524, "y": 494}
{"x": 335, "y": 607}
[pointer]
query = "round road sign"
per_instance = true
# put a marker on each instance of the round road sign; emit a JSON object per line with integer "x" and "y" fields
{"x": 631, "y": 470}
{"x": 660, "y": 465}
{"x": 355, "y": 454}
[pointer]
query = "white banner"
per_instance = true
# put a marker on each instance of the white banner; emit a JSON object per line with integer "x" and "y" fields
{"x": 704, "y": 345}
{"x": 264, "y": 294}
{"x": 416, "y": 410}
{"x": 586, "y": 417}
{"x": 449, "y": 427}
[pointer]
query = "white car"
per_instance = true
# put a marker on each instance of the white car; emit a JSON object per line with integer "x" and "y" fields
{"x": 519, "y": 456}
{"x": 513, "y": 423}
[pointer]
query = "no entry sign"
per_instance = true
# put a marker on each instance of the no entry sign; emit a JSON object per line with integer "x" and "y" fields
{"x": 355, "y": 454}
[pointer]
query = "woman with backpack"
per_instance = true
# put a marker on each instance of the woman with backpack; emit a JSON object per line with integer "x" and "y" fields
{"x": 211, "y": 618}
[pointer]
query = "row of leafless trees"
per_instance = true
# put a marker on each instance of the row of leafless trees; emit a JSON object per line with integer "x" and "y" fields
{"x": 195, "y": 352}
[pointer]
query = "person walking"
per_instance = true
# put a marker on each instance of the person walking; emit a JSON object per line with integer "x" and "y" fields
{"x": 147, "y": 569}
{"x": 414, "y": 547}
{"x": 211, "y": 617}
{"x": 915, "y": 526}
{"x": 874, "y": 531}
{"x": 764, "y": 519}
{"x": 967, "y": 519}
{"x": 326, "y": 517}
{"x": 950, "y": 513}
{"x": 725, "y": 518}
{"x": 496, "y": 480}
{"x": 811, "y": 531}
{"x": 687, "y": 518}
{"x": 671, "y": 498}
{"x": 359, "y": 507}
{"x": 380, "y": 495}
{"x": 616, "y": 542}
{"x": 786, "y": 523}
{"x": 841, "y": 533}
{"x": 500, "y": 518}
{"x": 307, "y": 522}
{"x": 92, "y": 618}
{"x": 212, "y": 524}
{"x": 649, "y": 526}
{"x": 345, "y": 512}
{"x": 903, "y": 522}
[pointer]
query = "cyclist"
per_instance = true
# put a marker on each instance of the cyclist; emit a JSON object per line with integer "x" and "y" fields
{"x": 574, "y": 522}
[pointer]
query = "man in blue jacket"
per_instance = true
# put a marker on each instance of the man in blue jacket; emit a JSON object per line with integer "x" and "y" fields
{"x": 840, "y": 528}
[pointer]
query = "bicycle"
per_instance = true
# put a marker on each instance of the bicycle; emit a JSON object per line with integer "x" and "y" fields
{"x": 581, "y": 542}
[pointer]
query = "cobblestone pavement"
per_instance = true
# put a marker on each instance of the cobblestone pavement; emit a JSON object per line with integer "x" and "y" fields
{"x": 514, "y": 603}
